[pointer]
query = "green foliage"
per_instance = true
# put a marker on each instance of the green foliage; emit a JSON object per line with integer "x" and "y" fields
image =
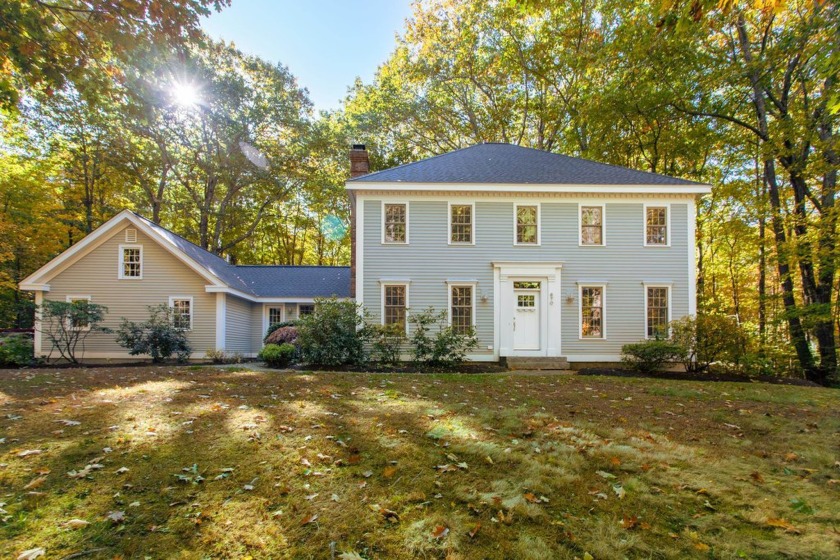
{"x": 15, "y": 350}
{"x": 334, "y": 334}
{"x": 277, "y": 355}
{"x": 650, "y": 355}
{"x": 282, "y": 335}
{"x": 435, "y": 343}
{"x": 157, "y": 337}
{"x": 707, "y": 339}
{"x": 388, "y": 342}
{"x": 66, "y": 325}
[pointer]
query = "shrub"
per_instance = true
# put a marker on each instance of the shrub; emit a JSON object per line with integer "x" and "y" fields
{"x": 277, "y": 355}
{"x": 388, "y": 341}
{"x": 708, "y": 339}
{"x": 274, "y": 326}
{"x": 283, "y": 334}
{"x": 222, "y": 357}
{"x": 651, "y": 355}
{"x": 157, "y": 337}
{"x": 446, "y": 347}
{"x": 334, "y": 334}
{"x": 67, "y": 324}
{"x": 16, "y": 350}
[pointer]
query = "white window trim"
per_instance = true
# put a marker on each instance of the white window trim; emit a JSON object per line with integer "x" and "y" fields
{"x": 603, "y": 287}
{"x": 449, "y": 206}
{"x": 667, "y": 207}
{"x": 668, "y": 286}
{"x": 384, "y": 285}
{"x": 305, "y": 303}
{"x": 121, "y": 262}
{"x": 516, "y": 206}
{"x": 192, "y": 308}
{"x": 267, "y": 314}
{"x": 71, "y": 299}
{"x": 407, "y": 221}
{"x": 603, "y": 207}
{"x": 449, "y": 286}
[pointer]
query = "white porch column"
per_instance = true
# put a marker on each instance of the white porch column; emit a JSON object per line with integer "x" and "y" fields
{"x": 221, "y": 320}
{"x": 37, "y": 338}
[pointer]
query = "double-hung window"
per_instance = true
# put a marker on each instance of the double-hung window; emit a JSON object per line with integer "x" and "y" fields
{"x": 461, "y": 224}
{"x": 592, "y": 225}
{"x": 131, "y": 262}
{"x": 657, "y": 311}
{"x": 394, "y": 304}
{"x": 78, "y": 313}
{"x": 395, "y": 223}
{"x": 527, "y": 217}
{"x": 461, "y": 307}
{"x": 592, "y": 311}
{"x": 656, "y": 226}
{"x": 182, "y": 312}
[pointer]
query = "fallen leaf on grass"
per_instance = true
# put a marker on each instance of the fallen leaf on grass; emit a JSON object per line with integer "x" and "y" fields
{"x": 440, "y": 532}
{"x": 27, "y": 453}
{"x": 121, "y": 470}
{"x": 74, "y": 524}
{"x": 35, "y": 483}
{"x": 31, "y": 554}
{"x": 389, "y": 472}
{"x": 604, "y": 474}
{"x": 350, "y": 556}
{"x": 116, "y": 516}
{"x": 474, "y": 531}
{"x": 629, "y": 522}
{"x": 309, "y": 519}
{"x": 782, "y": 523}
{"x": 390, "y": 515}
{"x": 756, "y": 476}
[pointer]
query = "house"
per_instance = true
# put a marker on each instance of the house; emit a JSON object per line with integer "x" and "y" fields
{"x": 548, "y": 257}
{"x": 130, "y": 263}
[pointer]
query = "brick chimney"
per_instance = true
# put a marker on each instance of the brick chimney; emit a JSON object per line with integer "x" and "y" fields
{"x": 359, "y": 162}
{"x": 359, "y": 165}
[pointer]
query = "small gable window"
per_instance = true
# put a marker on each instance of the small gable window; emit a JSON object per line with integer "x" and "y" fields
{"x": 182, "y": 312}
{"x": 131, "y": 262}
{"x": 395, "y": 223}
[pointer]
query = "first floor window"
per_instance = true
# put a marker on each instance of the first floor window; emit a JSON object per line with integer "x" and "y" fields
{"x": 306, "y": 309}
{"x": 275, "y": 315}
{"x": 656, "y": 225}
{"x": 395, "y": 223}
{"x": 657, "y": 312}
{"x": 527, "y": 225}
{"x": 395, "y": 305}
{"x": 592, "y": 225}
{"x": 78, "y": 313}
{"x": 461, "y": 220}
{"x": 181, "y": 313}
{"x": 462, "y": 308}
{"x": 592, "y": 312}
{"x": 131, "y": 262}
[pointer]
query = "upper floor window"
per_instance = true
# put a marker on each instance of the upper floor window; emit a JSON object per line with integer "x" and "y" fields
{"x": 656, "y": 225}
{"x": 658, "y": 311}
{"x": 592, "y": 312}
{"x": 527, "y": 224}
{"x": 591, "y": 225}
{"x": 461, "y": 223}
{"x": 394, "y": 304}
{"x": 182, "y": 312}
{"x": 131, "y": 262}
{"x": 395, "y": 223}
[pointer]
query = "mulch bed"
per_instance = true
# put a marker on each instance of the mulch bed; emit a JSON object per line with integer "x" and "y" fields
{"x": 688, "y": 376}
{"x": 478, "y": 367}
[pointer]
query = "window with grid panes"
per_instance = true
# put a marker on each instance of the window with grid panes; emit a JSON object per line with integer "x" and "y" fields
{"x": 396, "y": 221}
{"x": 591, "y": 312}
{"x": 526, "y": 225}
{"x": 182, "y": 314}
{"x": 656, "y": 225}
{"x": 132, "y": 265}
{"x": 395, "y": 305}
{"x": 657, "y": 312}
{"x": 461, "y": 223}
{"x": 462, "y": 308}
{"x": 591, "y": 225}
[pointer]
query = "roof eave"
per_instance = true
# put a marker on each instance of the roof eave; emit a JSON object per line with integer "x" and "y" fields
{"x": 691, "y": 188}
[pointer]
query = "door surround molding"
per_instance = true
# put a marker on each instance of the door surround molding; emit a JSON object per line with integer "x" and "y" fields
{"x": 504, "y": 274}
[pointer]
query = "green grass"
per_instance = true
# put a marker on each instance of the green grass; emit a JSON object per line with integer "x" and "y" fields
{"x": 231, "y": 464}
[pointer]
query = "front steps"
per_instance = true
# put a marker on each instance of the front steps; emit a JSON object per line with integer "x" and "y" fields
{"x": 553, "y": 363}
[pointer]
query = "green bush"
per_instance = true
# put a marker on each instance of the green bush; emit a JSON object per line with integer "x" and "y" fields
{"x": 281, "y": 335}
{"x": 157, "y": 337}
{"x": 388, "y": 341}
{"x": 445, "y": 347}
{"x": 708, "y": 339}
{"x": 277, "y": 355}
{"x": 334, "y": 334}
{"x": 16, "y": 350}
{"x": 651, "y": 355}
{"x": 66, "y": 325}
{"x": 274, "y": 326}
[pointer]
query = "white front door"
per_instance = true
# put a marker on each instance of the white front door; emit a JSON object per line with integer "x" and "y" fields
{"x": 526, "y": 316}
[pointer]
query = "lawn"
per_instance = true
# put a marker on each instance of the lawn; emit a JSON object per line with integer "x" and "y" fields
{"x": 202, "y": 462}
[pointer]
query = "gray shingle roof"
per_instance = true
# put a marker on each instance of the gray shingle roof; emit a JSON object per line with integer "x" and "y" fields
{"x": 264, "y": 281}
{"x": 511, "y": 164}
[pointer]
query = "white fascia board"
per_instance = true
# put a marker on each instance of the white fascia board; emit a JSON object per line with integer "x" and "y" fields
{"x": 30, "y": 287}
{"x": 530, "y": 187}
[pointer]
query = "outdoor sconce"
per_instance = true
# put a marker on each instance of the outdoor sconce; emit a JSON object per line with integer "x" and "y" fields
{"x": 483, "y": 297}
{"x": 570, "y": 299}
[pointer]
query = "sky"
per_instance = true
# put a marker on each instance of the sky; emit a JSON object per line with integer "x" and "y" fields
{"x": 325, "y": 43}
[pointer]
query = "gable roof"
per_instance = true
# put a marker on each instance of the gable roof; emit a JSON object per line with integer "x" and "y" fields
{"x": 494, "y": 163}
{"x": 252, "y": 282}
